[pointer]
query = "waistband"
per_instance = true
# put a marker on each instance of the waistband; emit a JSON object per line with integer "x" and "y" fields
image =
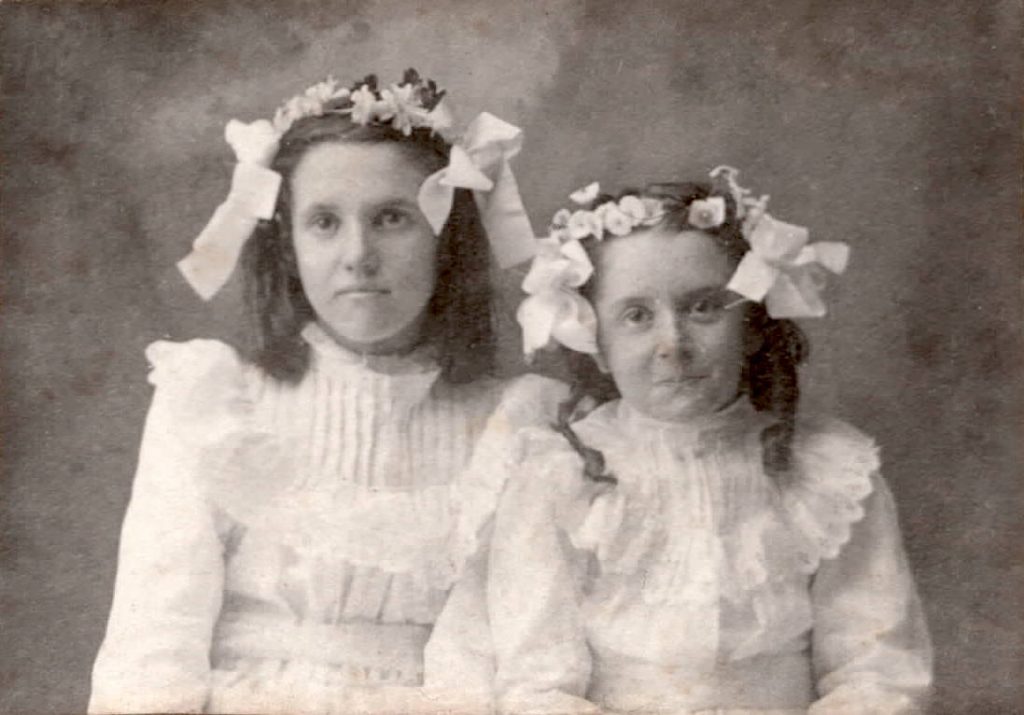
{"x": 769, "y": 682}
{"x": 393, "y": 650}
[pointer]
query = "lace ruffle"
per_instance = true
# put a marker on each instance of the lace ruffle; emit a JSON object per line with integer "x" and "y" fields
{"x": 780, "y": 535}
{"x": 427, "y": 533}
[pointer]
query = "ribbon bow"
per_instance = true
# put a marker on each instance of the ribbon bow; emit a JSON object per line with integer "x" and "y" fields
{"x": 480, "y": 162}
{"x": 554, "y": 309}
{"x": 784, "y": 271}
{"x": 252, "y": 197}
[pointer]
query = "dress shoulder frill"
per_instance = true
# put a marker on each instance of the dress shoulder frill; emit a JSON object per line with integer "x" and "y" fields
{"x": 527, "y": 406}
{"x": 806, "y": 517}
{"x": 203, "y": 391}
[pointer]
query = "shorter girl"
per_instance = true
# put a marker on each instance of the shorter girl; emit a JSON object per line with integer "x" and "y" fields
{"x": 695, "y": 544}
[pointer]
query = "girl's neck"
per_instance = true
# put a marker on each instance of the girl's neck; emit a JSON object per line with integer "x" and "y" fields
{"x": 412, "y": 357}
{"x": 735, "y": 414}
{"x": 406, "y": 341}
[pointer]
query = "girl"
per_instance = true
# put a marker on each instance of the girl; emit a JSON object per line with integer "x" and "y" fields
{"x": 695, "y": 543}
{"x": 299, "y": 517}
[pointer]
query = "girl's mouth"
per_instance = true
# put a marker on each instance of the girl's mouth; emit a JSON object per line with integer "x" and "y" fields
{"x": 362, "y": 291}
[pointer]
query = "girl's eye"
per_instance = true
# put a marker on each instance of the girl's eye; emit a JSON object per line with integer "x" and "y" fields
{"x": 708, "y": 309}
{"x": 325, "y": 223}
{"x": 636, "y": 315}
{"x": 392, "y": 218}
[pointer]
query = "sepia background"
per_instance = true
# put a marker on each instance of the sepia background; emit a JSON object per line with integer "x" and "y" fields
{"x": 891, "y": 124}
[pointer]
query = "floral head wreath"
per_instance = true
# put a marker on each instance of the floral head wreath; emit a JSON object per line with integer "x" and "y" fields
{"x": 779, "y": 268}
{"x": 479, "y": 161}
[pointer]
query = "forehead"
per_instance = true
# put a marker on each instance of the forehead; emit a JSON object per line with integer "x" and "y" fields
{"x": 660, "y": 263}
{"x": 355, "y": 173}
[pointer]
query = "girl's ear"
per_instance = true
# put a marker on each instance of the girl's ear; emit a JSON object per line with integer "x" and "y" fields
{"x": 602, "y": 365}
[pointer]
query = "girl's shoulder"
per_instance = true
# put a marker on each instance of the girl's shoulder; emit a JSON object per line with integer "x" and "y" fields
{"x": 836, "y": 467}
{"x": 530, "y": 400}
{"x": 201, "y": 385}
{"x": 181, "y": 364}
{"x": 828, "y": 449}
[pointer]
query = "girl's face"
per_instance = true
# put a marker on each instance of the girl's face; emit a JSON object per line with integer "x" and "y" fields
{"x": 366, "y": 254}
{"x": 665, "y": 334}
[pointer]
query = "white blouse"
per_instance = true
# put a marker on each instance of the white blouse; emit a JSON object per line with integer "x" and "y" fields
{"x": 698, "y": 582}
{"x": 288, "y": 548}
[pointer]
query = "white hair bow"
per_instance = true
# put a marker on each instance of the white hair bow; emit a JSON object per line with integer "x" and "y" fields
{"x": 252, "y": 197}
{"x": 480, "y": 162}
{"x": 781, "y": 269}
{"x": 554, "y": 308}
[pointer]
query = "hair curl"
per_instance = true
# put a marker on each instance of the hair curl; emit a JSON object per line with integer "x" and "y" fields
{"x": 770, "y": 374}
{"x": 460, "y": 312}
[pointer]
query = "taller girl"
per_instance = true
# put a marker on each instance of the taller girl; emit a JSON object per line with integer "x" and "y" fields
{"x": 299, "y": 517}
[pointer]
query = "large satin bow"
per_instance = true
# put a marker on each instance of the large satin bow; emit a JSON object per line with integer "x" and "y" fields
{"x": 480, "y": 162}
{"x": 784, "y": 271}
{"x": 252, "y": 197}
{"x": 554, "y": 309}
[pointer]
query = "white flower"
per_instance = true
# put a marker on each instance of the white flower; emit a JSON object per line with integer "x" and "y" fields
{"x": 614, "y": 219}
{"x": 402, "y": 105}
{"x": 585, "y": 223}
{"x": 326, "y": 91}
{"x": 295, "y": 109}
{"x": 586, "y": 194}
{"x": 633, "y": 207}
{"x": 707, "y": 213}
{"x": 363, "y": 104}
{"x": 561, "y": 218}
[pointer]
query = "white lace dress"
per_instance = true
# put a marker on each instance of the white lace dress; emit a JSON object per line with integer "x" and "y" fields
{"x": 698, "y": 583}
{"x": 289, "y": 548}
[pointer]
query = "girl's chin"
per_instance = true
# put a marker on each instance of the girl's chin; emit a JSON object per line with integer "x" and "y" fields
{"x": 684, "y": 408}
{"x": 372, "y": 339}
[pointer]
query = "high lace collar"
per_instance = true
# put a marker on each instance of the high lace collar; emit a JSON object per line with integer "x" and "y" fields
{"x": 620, "y": 417}
{"x": 401, "y": 380}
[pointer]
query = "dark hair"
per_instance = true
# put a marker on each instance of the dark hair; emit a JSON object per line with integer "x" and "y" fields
{"x": 769, "y": 377}
{"x": 460, "y": 315}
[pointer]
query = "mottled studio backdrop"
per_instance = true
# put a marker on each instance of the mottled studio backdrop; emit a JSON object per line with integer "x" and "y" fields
{"x": 893, "y": 125}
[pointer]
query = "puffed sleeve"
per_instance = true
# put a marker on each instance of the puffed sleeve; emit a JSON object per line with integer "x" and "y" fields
{"x": 534, "y": 587}
{"x": 168, "y": 589}
{"x": 871, "y": 649}
{"x": 459, "y": 658}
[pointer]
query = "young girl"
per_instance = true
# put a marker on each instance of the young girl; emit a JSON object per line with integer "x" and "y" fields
{"x": 299, "y": 517}
{"x": 695, "y": 543}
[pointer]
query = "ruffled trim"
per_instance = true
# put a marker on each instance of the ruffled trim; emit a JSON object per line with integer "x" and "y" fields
{"x": 205, "y": 387}
{"x": 528, "y": 402}
{"x": 798, "y": 525}
{"x": 835, "y": 462}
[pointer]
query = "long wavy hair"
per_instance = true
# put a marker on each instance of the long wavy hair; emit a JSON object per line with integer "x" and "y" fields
{"x": 769, "y": 376}
{"x": 460, "y": 313}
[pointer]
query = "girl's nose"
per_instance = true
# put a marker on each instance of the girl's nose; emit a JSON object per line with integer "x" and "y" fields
{"x": 674, "y": 341}
{"x": 357, "y": 252}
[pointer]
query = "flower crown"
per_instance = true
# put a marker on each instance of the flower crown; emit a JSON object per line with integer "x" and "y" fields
{"x": 411, "y": 104}
{"x": 478, "y": 161}
{"x": 780, "y": 268}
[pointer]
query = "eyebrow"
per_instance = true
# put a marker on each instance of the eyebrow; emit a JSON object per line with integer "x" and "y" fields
{"x": 391, "y": 202}
{"x": 702, "y": 292}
